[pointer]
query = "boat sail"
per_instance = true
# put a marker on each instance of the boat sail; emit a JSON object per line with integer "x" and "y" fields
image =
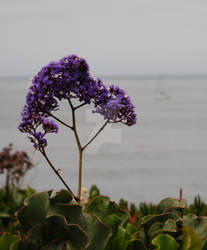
{"x": 159, "y": 91}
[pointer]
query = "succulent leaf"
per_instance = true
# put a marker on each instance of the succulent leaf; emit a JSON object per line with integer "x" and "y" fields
{"x": 113, "y": 221}
{"x": 159, "y": 218}
{"x": 55, "y": 245}
{"x": 63, "y": 196}
{"x": 6, "y": 240}
{"x": 121, "y": 239}
{"x": 135, "y": 244}
{"x": 35, "y": 210}
{"x": 198, "y": 223}
{"x": 204, "y": 245}
{"x": 56, "y": 228}
{"x": 164, "y": 242}
{"x": 172, "y": 205}
{"x": 102, "y": 207}
{"x": 191, "y": 240}
{"x": 169, "y": 224}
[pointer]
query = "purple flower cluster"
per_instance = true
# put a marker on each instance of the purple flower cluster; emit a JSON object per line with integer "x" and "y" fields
{"x": 37, "y": 127}
{"x": 118, "y": 107}
{"x": 66, "y": 79}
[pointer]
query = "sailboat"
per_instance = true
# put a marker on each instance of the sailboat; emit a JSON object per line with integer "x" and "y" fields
{"x": 159, "y": 91}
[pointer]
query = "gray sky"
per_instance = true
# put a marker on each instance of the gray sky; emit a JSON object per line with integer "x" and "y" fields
{"x": 115, "y": 36}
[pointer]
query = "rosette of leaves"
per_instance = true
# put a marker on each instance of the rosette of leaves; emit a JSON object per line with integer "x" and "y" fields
{"x": 47, "y": 222}
{"x": 124, "y": 234}
{"x": 199, "y": 225}
{"x": 167, "y": 222}
{"x": 170, "y": 230}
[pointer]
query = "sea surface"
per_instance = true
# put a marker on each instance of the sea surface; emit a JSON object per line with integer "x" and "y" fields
{"x": 165, "y": 151}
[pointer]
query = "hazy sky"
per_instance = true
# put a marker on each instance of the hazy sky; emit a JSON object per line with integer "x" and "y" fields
{"x": 115, "y": 36}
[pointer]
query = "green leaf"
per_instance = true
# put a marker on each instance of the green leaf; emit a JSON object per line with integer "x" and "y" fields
{"x": 169, "y": 224}
{"x": 55, "y": 245}
{"x": 6, "y": 240}
{"x": 101, "y": 206}
{"x": 35, "y": 210}
{"x": 18, "y": 196}
{"x": 198, "y": 223}
{"x": 16, "y": 245}
{"x": 164, "y": 242}
{"x": 161, "y": 218}
{"x": 204, "y": 245}
{"x": 3, "y": 215}
{"x": 135, "y": 244}
{"x": 121, "y": 239}
{"x": 167, "y": 204}
{"x": 30, "y": 191}
{"x": 155, "y": 227}
{"x": 191, "y": 240}
{"x": 94, "y": 191}
{"x": 96, "y": 230}
{"x": 113, "y": 222}
{"x": 63, "y": 196}
{"x": 56, "y": 228}
{"x": 131, "y": 229}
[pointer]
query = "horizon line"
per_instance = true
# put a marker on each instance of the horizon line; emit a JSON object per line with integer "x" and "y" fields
{"x": 125, "y": 75}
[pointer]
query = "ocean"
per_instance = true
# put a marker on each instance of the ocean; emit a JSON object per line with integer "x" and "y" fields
{"x": 165, "y": 151}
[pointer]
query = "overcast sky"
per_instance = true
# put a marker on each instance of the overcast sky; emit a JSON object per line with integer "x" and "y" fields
{"x": 115, "y": 36}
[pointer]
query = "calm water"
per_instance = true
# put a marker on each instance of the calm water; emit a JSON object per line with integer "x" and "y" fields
{"x": 165, "y": 151}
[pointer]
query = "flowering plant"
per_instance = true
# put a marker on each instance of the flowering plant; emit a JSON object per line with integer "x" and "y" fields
{"x": 14, "y": 165}
{"x": 69, "y": 79}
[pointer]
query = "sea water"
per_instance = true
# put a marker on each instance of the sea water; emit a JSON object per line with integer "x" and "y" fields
{"x": 165, "y": 151}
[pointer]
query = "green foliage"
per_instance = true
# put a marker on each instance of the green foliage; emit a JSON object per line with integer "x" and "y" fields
{"x": 191, "y": 240}
{"x": 8, "y": 207}
{"x": 14, "y": 166}
{"x": 198, "y": 207}
{"x": 57, "y": 222}
{"x": 123, "y": 204}
{"x": 198, "y": 223}
{"x": 94, "y": 191}
{"x": 146, "y": 209}
{"x": 165, "y": 242}
{"x": 7, "y": 241}
{"x": 132, "y": 209}
{"x": 102, "y": 207}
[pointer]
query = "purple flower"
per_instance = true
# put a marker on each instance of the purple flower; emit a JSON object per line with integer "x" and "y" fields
{"x": 37, "y": 127}
{"x": 66, "y": 79}
{"x": 117, "y": 107}
{"x": 50, "y": 126}
{"x": 38, "y": 140}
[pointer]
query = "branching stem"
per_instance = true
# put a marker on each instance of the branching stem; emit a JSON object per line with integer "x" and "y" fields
{"x": 79, "y": 106}
{"x": 57, "y": 173}
{"x": 62, "y": 122}
{"x": 104, "y": 125}
{"x": 80, "y": 147}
